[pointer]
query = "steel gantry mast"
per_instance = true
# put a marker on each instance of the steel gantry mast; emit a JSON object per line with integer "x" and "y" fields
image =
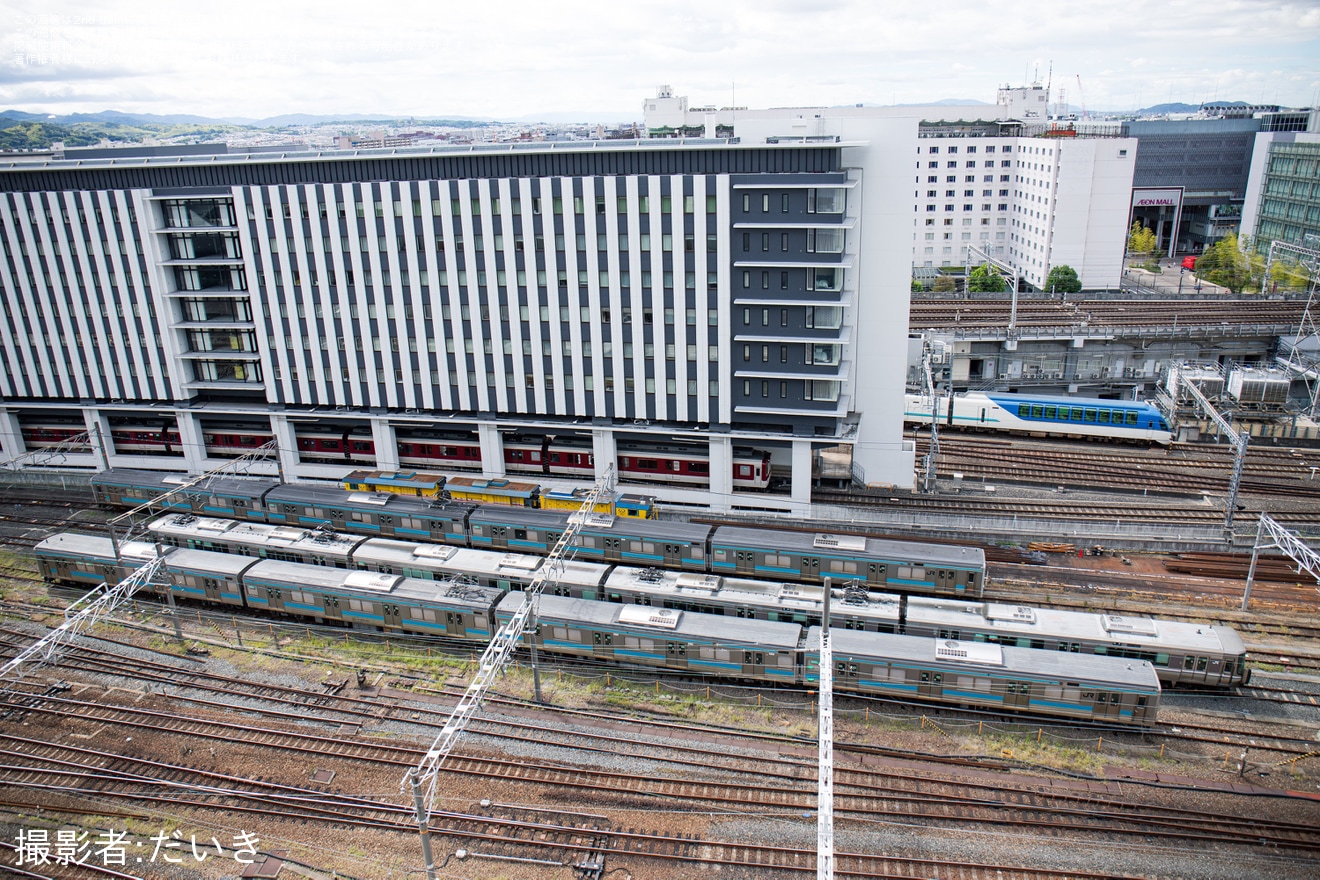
{"x": 927, "y": 354}
{"x": 101, "y": 602}
{"x": 1177, "y": 385}
{"x": 424, "y": 777}
{"x": 825, "y": 750}
{"x": 1281, "y": 539}
{"x": 80, "y": 616}
{"x": 1303, "y": 360}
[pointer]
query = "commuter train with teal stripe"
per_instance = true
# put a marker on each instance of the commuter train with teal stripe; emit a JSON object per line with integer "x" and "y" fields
{"x": 1002, "y": 411}
{"x": 1184, "y": 654}
{"x": 774, "y": 647}
{"x": 746, "y": 551}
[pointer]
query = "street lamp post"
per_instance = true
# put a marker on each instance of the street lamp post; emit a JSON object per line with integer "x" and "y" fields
{"x": 1181, "y": 274}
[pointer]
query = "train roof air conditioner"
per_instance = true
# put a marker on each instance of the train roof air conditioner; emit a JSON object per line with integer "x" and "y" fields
{"x": 839, "y": 542}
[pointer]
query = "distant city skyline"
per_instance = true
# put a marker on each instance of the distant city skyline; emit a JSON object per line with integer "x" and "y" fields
{"x": 597, "y": 62}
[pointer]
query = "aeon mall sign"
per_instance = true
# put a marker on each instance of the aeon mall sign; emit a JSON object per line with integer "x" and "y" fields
{"x": 1151, "y": 197}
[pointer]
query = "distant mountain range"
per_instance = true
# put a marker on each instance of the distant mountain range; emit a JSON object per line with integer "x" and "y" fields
{"x": 116, "y": 117}
{"x": 288, "y": 119}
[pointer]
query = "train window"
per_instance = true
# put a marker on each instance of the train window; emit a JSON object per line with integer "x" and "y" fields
{"x": 647, "y": 464}
{"x": 1077, "y": 413}
{"x": 755, "y": 658}
{"x": 1037, "y": 411}
{"x": 1161, "y": 659}
{"x": 604, "y": 639}
{"x": 676, "y": 465}
{"x": 1104, "y": 416}
{"x": 1201, "y": 663}
{"x": 925, "y": 676}
{"x": 676, "y": 649}
{"x": 744, "y": 470}
{"x": 1188, "y": 662}
{"x": 939, "y": 677}
{"x": 1130, "y": 418}
{"x": 1051, "y": 412}
{"x": 1090, "y": 415}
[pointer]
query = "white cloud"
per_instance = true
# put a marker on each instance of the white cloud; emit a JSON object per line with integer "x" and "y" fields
{"x": 515, "y": 58}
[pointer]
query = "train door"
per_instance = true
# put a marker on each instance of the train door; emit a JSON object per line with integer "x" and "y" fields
{"x": 455, "y": 625}
{"x": 876, "y": 574}
{"x": 676, "y": 654}
{"x": 931, "y": 685}
{"x": 386, "y": 523}
{"x": 673, "y": 555}
{"x": 1017, "y": 695}
{"x": 331, "y": 606}
{"x": 810, "y": 567}
{"x": 602, "y": 644}
{"x": 391, "y": 615}
{"x": 1106, "y": 705}
{"x": 213, "y": 588}
{"x": 753, "y": 664}
{"x": 746, "y": 561}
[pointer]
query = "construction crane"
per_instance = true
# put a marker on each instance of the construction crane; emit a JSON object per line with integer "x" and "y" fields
{"x": 493, "y": 662}
{"x": 1082, "y": 95}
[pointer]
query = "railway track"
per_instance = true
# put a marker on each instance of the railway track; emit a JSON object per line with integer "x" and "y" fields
{"x": 1216, "y": 315}
{"x": 30, "y": 764}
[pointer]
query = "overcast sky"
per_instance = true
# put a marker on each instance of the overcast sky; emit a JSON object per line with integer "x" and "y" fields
{"x": 512, "y": 58}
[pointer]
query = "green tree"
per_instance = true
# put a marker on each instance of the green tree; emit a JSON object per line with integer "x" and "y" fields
{"x": 1232, "y": 264}
{"x": 917, "y": 286}
{"x": 945, "y": 284}
{"x": 986, "y": 278}
{"x": 1141, "y": 241}
{"x": 1063, "y": 279}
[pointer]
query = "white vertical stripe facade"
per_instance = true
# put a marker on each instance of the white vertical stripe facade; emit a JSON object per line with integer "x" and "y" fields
{"x": 701, "y": 223}
{"x": 76, "y": 298}
{"x": 538, "y": 295}
{"x": 724, "y": 296}
{"x": 23, "y": 352}
{"x": 655, "y": 264}
{"x": 436, "y": 378}
{"x": 103, "y": 326}
{"x": 434, "y": 338}
{"x": 42, "y": 309}
{"x": 682, "y": 401}
{"x": 590, "y": 297}
{"x": 515, "y": 292}
{"x": 613, "y": 266}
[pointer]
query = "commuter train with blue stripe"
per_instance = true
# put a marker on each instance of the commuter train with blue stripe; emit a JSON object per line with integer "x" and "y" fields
{"x": 1084, "y": 687}
{"x": 882, "y": 565}
{"x": 1036, "y": 414}
{"x": 1200, "y": 655}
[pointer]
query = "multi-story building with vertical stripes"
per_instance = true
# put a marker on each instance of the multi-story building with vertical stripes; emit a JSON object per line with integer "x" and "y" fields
{"x": 615, "y": 297}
